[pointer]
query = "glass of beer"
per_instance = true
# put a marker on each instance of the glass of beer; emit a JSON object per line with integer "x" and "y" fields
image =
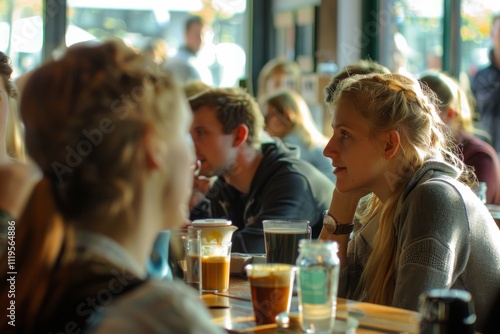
{"x": 215, "y": 259}
{"x": 282, "y": 239}
{"x": 271, "y": 285}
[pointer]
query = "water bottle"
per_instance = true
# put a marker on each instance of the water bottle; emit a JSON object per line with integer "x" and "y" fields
{"x": 317, "y": 281}
{"x": 446, "y": 312}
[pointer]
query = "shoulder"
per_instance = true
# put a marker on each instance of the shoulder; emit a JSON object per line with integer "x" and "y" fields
{"x": 439, "y": 191}
{"x": 156, "y": 307}
{"x": 437, "y": 208}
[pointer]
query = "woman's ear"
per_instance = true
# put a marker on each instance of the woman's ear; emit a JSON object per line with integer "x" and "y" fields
{"x": 392, "y": 142}
{"x": 240, "y": 135}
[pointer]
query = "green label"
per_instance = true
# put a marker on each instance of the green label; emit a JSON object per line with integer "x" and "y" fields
{"x": 313, "y": 286}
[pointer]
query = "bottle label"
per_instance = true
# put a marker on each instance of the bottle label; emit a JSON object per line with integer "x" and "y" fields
{"x": 313, "y": 286}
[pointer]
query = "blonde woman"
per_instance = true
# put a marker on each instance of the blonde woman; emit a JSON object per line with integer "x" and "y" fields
{"x": 109, "y": 132}
{"x": 274, "y": 74}
{"x": 288, "y": 117}
{"x": 422, "y": 227}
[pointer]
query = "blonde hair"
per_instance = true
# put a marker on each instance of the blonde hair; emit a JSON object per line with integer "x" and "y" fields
{"x": 273, "y": 67}
{"x": 303, "y": 121}
{"x": 14, "y": 142}
{"x": 85, "y": 116}
{"x": 395, "y": 102}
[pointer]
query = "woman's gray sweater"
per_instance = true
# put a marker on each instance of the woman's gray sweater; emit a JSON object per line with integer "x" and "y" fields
{"x": 446, "y": 238}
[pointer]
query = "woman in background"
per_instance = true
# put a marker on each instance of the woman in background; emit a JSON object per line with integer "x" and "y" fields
{"x": 274, "y": 74}
{"x": 455, "y": 112}
{"x": 288, "y": 117}
{"x": 109, "y": 134}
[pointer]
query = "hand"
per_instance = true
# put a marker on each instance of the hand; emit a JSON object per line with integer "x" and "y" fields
{"x": 201, "y": 187}
{"x": 353, "y": 195}
{"x": 17, "y": 180}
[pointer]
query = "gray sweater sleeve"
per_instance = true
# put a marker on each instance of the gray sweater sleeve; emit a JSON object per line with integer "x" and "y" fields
{"x": 433, "y": 241}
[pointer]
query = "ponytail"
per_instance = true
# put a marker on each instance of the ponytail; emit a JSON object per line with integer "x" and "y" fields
{"x": 40, "y": 236}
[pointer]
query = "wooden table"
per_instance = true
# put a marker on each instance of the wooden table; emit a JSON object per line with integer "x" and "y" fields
{"x": 233, "y": 311}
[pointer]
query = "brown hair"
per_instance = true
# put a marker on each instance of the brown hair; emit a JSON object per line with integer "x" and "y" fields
{"x": 234, "y": 107}
{"x": 85, "y": 115}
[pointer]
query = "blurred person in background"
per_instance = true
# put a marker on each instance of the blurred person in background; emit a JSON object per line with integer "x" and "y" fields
{"x": 486, "y": 88}
{"x": 185, "y": 64}
{"x": 288, "y": 117}
{"x": 274, "y": 75}
{"x": 456, "y": 113}
{"x": 157, "y": 49}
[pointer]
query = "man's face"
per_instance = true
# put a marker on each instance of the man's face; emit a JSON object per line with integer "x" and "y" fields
{"x": 213, "y": 147}
{"x": 194, "y": 37}
{"x": 495, "y": 34}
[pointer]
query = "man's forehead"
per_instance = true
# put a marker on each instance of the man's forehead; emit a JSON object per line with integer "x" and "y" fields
{"x": 205, "y": 116}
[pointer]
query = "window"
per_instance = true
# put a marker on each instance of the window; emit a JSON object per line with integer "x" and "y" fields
{"x": 21, "y": 28}
{"x": 139, "y": 22}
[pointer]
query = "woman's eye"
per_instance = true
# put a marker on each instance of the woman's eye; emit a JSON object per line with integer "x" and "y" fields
{"x": 344, "y": 134}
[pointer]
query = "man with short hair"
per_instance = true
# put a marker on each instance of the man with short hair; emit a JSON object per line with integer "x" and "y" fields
{"x": 486, "y": 88}
{"x": 254, "y": 181}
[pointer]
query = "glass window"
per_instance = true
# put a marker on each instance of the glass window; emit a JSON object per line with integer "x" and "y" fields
{"x": 21, "y": 28}
{"x": 475, "y": 33}
{"x": 141, "y": 23}
{"x": 412, "y": 35}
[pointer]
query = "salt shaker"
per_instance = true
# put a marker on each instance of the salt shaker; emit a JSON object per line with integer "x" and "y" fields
{"x": 317, "y": 281}
{"x": 447, "y": 311}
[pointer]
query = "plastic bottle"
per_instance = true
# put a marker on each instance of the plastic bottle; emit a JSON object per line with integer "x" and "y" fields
{"x": 317, "y": 280}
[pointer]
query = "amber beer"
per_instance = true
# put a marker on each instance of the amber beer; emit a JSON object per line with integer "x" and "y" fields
{"x": 271, "y": 286}
{"x": 215, "y": 273}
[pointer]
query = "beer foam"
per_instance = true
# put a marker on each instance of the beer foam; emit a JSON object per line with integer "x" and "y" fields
{"x": 271, "y": 275}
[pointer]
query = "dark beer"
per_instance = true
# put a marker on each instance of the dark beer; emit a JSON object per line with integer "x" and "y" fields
{"x": 283, "y": 246}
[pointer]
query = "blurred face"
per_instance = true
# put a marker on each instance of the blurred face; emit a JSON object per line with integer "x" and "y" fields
{"x": 357, "y": 157}
{"x": 276, "y": 124}
{"x": 4, "y": 110}
{"x": 194, "y": 37}
{"x": 213, "y": 147}
{"x": 275, "y": 81}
